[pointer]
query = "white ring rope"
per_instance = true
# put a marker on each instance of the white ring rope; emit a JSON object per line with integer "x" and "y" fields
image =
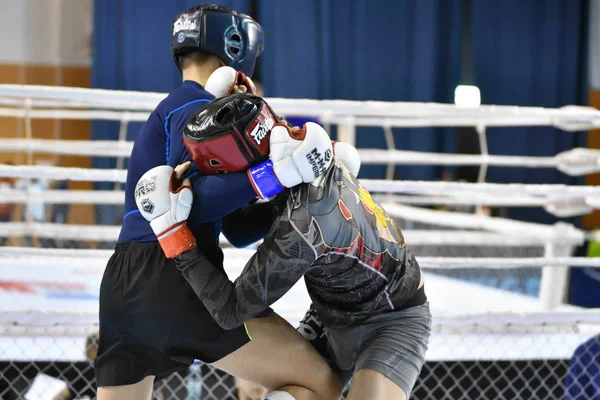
{"x": 120, "y": 99}
{"x": 456, "y": 220}
{"x": 463, "y": 200}
{"x": 374, "y": 156}
{"x": 573, "y": 162}
{"x": 63, "y": 173}
{"x": 35, "y": 323}
{"x": 430, "y": 187}
{"x": 506, "y": 263}
{"x": 71, "y": 323}
{"x": 11, "y": 251}
{"x": 110, "y": 233}
{"x": 239, "y": 257}
{"x": 562, "y": 208}
{"x": 107, "y": 233}
{"x": 325, "y": 116}
{"x": 76, "y": 114}
{"x": 102, "y": 148}
{"x": 33, "y": 195}
{"x": 388, "y": 113}
{"x": 116, "y": 197}
{"x": 373, "y": 185}
{"x": 533, "y": 320}
{"x": 559, "y": 233}
{"x": 49, "y": 230}
{"x": 61, "y": 104}
{"x": 567, "y": 233}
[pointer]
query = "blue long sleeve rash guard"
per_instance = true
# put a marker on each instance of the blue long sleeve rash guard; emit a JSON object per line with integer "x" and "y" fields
{"x": 160, "y": 142}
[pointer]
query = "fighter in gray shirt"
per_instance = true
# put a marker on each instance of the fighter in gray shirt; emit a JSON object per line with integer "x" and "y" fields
{"x": 365, "y": 285}
{"x": 350, "y": 252}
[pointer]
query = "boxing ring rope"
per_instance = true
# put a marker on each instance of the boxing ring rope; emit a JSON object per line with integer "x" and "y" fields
{"x": 374, "y": 185}
{"x": 414, "y": 121}
{"x": 30, "y": 320}
{"x": 425, "y": 114}
{"x": 574, "y": 162}
{"x": 559, "y": 200}
{"x": 33, "y": 324}
{"x": 51, "y": 196}
{"x": 413, "y": 237}
{"x": 116, "y": 197}
{"x": 240, "y": 256}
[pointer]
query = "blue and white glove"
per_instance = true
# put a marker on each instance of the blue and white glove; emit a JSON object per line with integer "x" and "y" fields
{"x": 296, "y": 156}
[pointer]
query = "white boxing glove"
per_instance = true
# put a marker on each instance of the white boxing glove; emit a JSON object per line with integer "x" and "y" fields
{"x": 167, "y": 207}
{"x": 296, "y": 156}
{"x": 226, "y": 80}
{"x": 300, "y": 156}
{"x": 348, "y": 155}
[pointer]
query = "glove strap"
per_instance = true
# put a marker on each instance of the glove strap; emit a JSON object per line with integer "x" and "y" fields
{"x": 263, "y": 179}
{"x": 176, "y": 240}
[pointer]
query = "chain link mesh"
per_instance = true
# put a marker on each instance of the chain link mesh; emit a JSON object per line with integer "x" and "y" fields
{"x": 33, "y": 370}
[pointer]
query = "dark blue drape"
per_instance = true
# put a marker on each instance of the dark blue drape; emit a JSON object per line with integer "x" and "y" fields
{"x": 366, "y": 50}
{"x": 531, "y": 53}
{"x": 131, "y": 43}
{"x": 527, "y": 52}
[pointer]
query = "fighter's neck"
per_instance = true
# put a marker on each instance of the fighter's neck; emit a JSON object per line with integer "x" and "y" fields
{"x": 196, "y": 74}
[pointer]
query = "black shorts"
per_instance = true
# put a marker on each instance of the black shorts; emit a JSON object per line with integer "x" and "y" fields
{"x": 151, "y": 322}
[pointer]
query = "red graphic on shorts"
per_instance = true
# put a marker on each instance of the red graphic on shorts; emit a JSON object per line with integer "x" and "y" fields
{"x": 344, "y": 210}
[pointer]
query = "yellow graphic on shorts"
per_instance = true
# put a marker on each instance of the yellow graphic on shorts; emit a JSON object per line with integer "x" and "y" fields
{"x": 382, "y": 218}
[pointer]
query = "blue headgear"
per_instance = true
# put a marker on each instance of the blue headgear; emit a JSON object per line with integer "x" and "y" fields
{"x": 235, "y": 38}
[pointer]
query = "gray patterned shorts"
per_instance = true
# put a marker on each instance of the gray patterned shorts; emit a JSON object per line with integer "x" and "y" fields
{"x": 393, "y": 344}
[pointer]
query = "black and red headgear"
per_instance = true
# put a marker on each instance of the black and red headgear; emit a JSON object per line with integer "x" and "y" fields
{"x": 229, "y": 134}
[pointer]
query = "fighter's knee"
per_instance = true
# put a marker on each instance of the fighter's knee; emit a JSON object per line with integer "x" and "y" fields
{"x": 323, "y": 385}
{"x": 330, "y": 386}
{"x": 140, "y": 390}
{"x": 335, "y": 388}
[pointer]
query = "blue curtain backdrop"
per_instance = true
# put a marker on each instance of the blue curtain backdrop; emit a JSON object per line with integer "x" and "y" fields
{"x": 366, "y": 50}
{"x": 527, "y": 52}
{"x": 531, "y": 53}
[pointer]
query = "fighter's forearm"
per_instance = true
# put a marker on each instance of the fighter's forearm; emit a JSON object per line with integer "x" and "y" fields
{"x": 278, "y": 263}
{"x": 214, "y": 289}
{"x": 248, "y": 224}
{"x": 218, "y": 195}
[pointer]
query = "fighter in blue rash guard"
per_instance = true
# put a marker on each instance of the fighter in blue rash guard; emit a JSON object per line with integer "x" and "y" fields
{"x": 160, "y": 142}
{"x": 366, "y": 287}
{"x": 151, "y": 322}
